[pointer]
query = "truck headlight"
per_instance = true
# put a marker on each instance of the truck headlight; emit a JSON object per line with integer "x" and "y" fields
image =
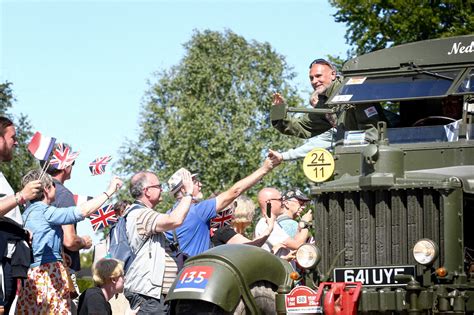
{"x": 308, "y": 256}
{"x": 425, "y": 251}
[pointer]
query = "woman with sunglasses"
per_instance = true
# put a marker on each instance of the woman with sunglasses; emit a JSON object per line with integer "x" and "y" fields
{"x": 46, "y": 289}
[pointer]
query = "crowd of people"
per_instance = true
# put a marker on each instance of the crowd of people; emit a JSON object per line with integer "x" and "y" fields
{"x": 46, "y": 283}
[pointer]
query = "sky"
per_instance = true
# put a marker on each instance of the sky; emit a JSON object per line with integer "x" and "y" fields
{"x": 80, "y": 69}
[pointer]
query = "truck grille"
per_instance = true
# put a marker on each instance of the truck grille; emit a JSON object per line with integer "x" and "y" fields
{"x": 376, "y": 228}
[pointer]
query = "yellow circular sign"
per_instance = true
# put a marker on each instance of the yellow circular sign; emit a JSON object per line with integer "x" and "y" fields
{"x": 318, "y": 165}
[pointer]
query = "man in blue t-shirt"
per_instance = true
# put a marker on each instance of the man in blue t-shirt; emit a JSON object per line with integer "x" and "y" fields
{"x": 194, "y": 235}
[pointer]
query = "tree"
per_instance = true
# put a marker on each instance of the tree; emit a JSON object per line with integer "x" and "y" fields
{"x": 378, "y": 24}
{"x": 22, "y": 159}
{"x": 210, "y": 114}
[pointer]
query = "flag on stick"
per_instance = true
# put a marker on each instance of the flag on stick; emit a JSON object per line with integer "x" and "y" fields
{"x": 41, "y": 146}
{"x": 97, "y": 167}
{"x": 223, "y": 218}
{"x": 63, "y": 156}
{"x": 103, "y": 217}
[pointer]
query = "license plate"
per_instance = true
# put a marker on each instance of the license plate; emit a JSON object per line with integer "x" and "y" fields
{"x": 373, "y": 276}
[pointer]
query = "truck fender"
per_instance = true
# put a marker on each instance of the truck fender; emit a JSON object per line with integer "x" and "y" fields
{"x": 224, "y": 275}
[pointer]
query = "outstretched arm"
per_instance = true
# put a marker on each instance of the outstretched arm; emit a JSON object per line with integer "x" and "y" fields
{"x": 225, "y": 198}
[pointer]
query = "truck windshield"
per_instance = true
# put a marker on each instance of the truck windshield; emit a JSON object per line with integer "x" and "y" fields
{"x": 409, "y": 86}
{"x": 467, "y": 84}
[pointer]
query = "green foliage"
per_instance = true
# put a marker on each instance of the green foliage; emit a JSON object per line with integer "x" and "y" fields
{"x": 87, "y": 259}
{"x": 210, "y": 114}
{"x": 377, "y": 24}
{"x": 84, "y": 283}
{"x": 22, "y": 159}
{"x": 337, "y": 61}
{"x": 6, "y": 97}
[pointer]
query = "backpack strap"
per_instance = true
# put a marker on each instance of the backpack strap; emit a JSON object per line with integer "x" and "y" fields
{"x": 175, "y": 238}
{"x": 134, "y": 206}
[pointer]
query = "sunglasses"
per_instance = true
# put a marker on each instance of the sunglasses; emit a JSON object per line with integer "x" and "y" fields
{"x": 321, "y": 61}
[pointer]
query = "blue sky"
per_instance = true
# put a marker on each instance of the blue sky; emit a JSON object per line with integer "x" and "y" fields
{"x": 80, "y": 68}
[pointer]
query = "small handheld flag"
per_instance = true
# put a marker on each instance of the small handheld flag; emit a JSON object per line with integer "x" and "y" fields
{"x": 41, "y": 146}
{"x": 63, "y": 156}
{"x": 223, "y": 218}
{"x": 97, "y": 167}
{"x": 103, "y": 217}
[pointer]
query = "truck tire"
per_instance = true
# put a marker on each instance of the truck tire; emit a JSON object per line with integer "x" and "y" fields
{"x": 264, "y": 297}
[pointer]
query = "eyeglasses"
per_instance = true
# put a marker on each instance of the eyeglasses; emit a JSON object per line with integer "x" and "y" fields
{"x": 321, "y": 61}
{"x": 197, "y": 182}
{"x": 159, "y": 186}
{"x": 301, "y": 202}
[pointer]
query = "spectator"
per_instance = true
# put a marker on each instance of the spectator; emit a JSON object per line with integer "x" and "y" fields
{"x": 244, "y": 210}
{"x": 47, "y": 288}
{"x": 9, "y": 200}
{"x": 108, "y": 277}
{"x": 62, "y": 172}
{"x": 12, "y": 233}
{"x": 153, "y": 270}
{"x": 294, "y": 202}
{"x": 194, "y": 235}
{"x": 279, "y": 242}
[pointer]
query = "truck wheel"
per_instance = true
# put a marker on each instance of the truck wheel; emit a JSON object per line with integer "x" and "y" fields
{"x": 197, "y": 307}
{"x": 264, "y": 297}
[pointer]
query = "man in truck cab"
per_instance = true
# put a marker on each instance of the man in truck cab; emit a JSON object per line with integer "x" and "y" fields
{"x": 325, "y": 82}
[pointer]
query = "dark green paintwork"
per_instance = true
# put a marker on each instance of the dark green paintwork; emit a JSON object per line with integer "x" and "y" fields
{"x": 235, "y": 269}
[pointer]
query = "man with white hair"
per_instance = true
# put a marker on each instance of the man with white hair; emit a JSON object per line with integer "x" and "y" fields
{"x": 153, "y": 270}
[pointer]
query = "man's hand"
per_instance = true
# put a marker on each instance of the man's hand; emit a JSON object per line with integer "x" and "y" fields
{"x": 270, "y": 223}
{"x": 187, "y": 182}
{"x": 290, "y": 256}
{"x": 87, "y": 242}
{"x": 31, "y": 190}
{"x": 277, "y": 99}
{"x": 314, "y": 99}
{"x": 308, "y": 216}
{"x": 114, "y": 186}
{"x": 275, "y": 156}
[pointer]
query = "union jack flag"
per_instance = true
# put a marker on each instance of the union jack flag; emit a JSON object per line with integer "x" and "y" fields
{"x": 223, "y": 218}
{"x": 62, "y": 156}
{"x": 97, "y": 166}
{"x": 103, "y": 217}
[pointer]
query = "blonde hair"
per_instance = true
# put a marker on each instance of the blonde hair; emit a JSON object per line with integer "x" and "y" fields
{"x": 105, "y": 269}
{"x": 244, "y": 210}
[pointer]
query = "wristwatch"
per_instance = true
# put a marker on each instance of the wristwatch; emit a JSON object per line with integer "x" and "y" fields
{"x": 188, "y": 195}
{"x": 303, "y": 225}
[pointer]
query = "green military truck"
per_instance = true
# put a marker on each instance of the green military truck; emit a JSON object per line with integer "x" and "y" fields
{"x": 393, "y": 216}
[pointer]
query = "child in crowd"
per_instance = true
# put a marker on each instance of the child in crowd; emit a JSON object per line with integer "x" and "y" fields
{"x": 108, "y": 275}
